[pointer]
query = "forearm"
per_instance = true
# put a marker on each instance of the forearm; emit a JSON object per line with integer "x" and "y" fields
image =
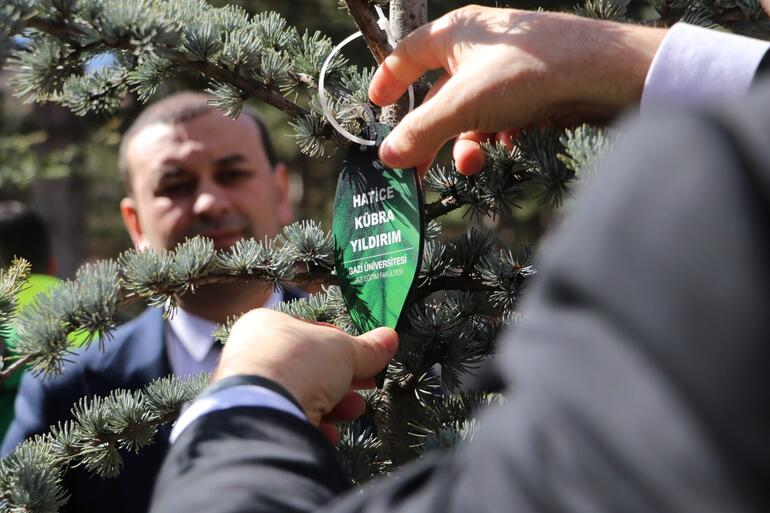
{"x": 608, "y": 66}
{"x": 248, "y": 459}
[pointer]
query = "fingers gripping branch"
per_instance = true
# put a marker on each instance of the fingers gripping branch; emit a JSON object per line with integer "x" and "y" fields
{"x": 317, "y": 364}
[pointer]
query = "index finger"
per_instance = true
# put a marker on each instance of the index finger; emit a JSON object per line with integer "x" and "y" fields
{"x": 413, "y": 56}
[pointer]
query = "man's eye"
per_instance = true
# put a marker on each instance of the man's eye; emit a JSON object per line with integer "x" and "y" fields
{"x": 176, "y": 188}
{"x": 229, "y": 176}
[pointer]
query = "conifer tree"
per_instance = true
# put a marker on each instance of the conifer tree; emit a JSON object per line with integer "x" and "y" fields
{"x": 467, "y": 289}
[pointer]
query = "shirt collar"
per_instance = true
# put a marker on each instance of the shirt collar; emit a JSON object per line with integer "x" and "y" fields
{"x": 195, "y": 332}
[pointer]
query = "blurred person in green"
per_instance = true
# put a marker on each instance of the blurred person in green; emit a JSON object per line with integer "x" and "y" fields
{"x": 24, "y": 234}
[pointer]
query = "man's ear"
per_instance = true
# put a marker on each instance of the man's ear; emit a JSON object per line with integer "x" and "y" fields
{"x": 285, "y": 209}
{"x": 132, "y": 223}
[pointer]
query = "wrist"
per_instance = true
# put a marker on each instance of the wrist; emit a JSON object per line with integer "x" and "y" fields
{"x": 612, "y": 65}
{"x": 233, "y": 370}
{"x": 249, "y": 379}
{"x": 227, "y": 372}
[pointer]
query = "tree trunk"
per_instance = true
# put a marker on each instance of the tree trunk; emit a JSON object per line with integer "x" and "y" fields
{"x": 61, "y": 203}
{"x": 398, "y": 404}
{"x": 405, "y": 16}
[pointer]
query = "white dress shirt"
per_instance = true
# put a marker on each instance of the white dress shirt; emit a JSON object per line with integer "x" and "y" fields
{"x": 191, "y": 349}
{"x": 190, "y": 344}
{"x": 693, "y": 65}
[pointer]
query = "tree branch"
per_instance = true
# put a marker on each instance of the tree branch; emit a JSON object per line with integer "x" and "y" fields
{"x": 210, "y": 70}
{"x": 399, "y": 404}
{"x": 267, "y": 95}
{"x": 405, "y": 16}
{"x": 54, "y": 28}
{"x": 303, "y": 275}
{"x": 366, "y": 18}
{"x": 81, "y": 446}
{"x": 8, "y": 371}
{"x": 441, "y": 207}
{"x": 452, "y": 283}
{"x": 113, "y": 439}
{"x": 311, "y": 276}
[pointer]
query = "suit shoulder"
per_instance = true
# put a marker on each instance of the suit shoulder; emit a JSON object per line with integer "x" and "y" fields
{"x": 132, "y": 357}
{"x": 88, "y": 367}
{"x": 149, "y": 323}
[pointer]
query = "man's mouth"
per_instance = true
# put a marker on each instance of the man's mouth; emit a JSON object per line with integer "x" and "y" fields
{"x": 223, "y": 239}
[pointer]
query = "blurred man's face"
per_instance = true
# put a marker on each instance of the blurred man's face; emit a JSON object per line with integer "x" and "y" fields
{"x": 207, "y": 176}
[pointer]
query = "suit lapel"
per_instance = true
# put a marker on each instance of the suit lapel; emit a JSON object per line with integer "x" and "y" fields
{"x": 150, "y": 343}
{"x": 141, "y": 356}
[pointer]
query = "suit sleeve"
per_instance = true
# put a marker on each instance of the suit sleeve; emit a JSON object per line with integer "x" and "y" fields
{"x": 639, "y": 382}
{"x": 39, "y": 404}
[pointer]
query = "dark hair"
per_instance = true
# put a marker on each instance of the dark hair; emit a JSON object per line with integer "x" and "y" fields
{"x": 178, "y": 108}
{"x": 24, "y": 234}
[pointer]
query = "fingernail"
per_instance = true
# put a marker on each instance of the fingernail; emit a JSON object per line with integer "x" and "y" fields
{"x": 388, "y": 155}
{"x": 386, "y": 337}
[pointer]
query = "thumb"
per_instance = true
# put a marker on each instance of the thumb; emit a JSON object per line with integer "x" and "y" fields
{"x": 373, "y": 351}
{"x": 422, "y": 132}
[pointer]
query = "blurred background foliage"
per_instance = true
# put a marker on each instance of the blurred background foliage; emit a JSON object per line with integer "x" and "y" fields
{"x": 65, "y": 166}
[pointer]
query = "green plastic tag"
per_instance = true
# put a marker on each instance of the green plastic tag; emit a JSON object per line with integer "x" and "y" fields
{"x": 378, "y": 236}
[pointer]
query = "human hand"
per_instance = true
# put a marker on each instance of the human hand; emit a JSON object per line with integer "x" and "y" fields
{"x": 318, "y": 364}
{"x": 508, "y": 69}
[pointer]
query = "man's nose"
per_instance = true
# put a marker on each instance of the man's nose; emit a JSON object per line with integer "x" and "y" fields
{"x": 211, "y": 201}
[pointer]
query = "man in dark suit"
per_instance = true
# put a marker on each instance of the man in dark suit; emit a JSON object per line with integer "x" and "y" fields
{"x": 188, "y": 170}
{"x": 640, "y": 366}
